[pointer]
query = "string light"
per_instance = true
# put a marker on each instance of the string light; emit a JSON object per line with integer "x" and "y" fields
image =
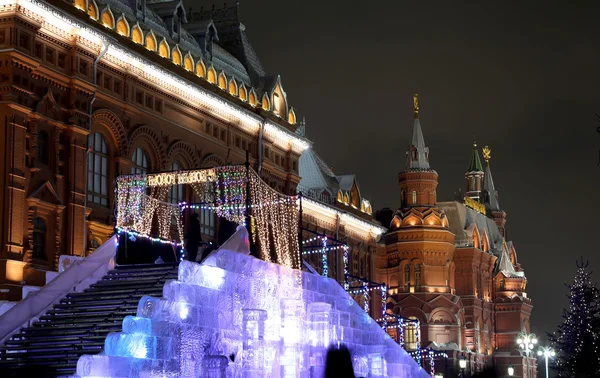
{"x": 275, "y": 215}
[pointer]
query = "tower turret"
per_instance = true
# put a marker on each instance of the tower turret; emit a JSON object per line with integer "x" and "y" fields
{"x": 474, "y": 176}
{"x": 490, "y": 194}
{"x": 418, "y": 182}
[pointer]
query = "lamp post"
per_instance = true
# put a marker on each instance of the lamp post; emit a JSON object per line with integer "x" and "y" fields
{"x": 546, "y": 352}
{"x": 526, "y": 343}
{"x": 511, "y": 370}
{"x": 462, "y": 364}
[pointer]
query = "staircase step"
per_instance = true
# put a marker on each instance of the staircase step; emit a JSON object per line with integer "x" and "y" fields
{"x": 103, "y": 303}
{"x": 53, "y": 339}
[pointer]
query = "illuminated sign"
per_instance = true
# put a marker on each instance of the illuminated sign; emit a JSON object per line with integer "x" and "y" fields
{"x": 188, "y": 177}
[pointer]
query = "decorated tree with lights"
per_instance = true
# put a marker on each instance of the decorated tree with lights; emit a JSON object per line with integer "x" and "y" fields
{"x": 577, "y": 338}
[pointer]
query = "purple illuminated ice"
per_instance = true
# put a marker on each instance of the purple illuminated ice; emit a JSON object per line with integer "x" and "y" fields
{"x": 237, "y": 316}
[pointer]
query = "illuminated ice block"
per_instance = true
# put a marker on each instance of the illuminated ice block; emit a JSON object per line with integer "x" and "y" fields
{"x": 237, "y": 316}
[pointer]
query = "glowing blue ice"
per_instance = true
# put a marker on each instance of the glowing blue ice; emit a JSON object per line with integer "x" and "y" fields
{"x": 237, "y": 316}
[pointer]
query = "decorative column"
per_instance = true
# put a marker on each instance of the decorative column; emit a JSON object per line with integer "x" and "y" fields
{"x": 292, "y": 313}
{"x": 253, "y": 355}
{"x": 319, "y": 314}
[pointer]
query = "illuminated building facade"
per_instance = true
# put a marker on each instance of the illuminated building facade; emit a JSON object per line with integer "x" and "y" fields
{"x": 94, "y": 89}
{"x": 449, "y": 266}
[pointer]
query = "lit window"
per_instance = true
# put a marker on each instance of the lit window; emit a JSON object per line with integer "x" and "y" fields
{"x": 207, "y": 222}
{"x": 418, "y": 276}
{"x": 140, "y": 162}
{"x": 98, "y": 170}
{"x": 175, "y": 191}
{"x": 410, "y": 334}
{"x": 42, "y": 147}
{"x": 414, "y": 197}
{"x": 39, "y": 239}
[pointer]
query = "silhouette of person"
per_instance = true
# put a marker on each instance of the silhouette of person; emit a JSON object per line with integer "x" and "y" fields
{"x": 193, "y": 237}
{"x": 339, "y": 363}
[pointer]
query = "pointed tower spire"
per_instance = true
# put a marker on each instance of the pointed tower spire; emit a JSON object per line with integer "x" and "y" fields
{"x": 418, "y": 156}
{"x": 474, "y": 176}
{"x": 490, "y": 194}
{"x": 418, "y": 182}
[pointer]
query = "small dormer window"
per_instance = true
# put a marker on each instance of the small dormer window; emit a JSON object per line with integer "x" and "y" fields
{"x": 415, "y": 154}
{"x": 414, "y": 197}
{"x": 276, "y": 103}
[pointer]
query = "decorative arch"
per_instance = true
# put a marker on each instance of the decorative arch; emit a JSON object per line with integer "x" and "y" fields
{"x": 442, "y": 315}
{"x": 176, "y": 55}
{"x": 513, "y": 256}
{"x": 476, "y": 237}
{"x": 188, "y": 62}
{"x": 200, "y": 69}
{"x": 186, "y": 151}
{"x": 266, "y": 104}
{"x": 222, "y": 80}
{"x": 92, "y": 9}
{"x": 211, "y": 161}
{"x": 414, "y": 312}
{"x": 252, "y": 99}
{"x": 123, "y": 26}
{"x": 112, "y": 122}
{"x": 243, "y": 92}
{"x": 151, "y": 41}
{"x": 211, "y": 75}
{"x": 137, "y": 35}
{"x": 485, "y": 242}
{"x": 163, "y": 49}
{"x": 412, "y": 220}
{"x": 150, "y": 137}
{"x": 292, "y": 116}
{"x": 233, "y": 88}
{"x": 107, "y": 18}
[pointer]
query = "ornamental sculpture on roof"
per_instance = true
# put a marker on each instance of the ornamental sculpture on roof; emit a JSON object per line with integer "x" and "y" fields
{"x": 487, "y": 154}
{"x": 416, "y": 104}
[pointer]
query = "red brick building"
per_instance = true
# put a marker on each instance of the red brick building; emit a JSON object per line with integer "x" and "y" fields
{"x": 448, "y": 265}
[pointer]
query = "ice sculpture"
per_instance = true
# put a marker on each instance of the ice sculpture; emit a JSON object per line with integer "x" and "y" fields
{"x": 237, "y": 316}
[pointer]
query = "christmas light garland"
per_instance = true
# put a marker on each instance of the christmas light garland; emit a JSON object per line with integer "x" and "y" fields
{"x": 221, "y": 189}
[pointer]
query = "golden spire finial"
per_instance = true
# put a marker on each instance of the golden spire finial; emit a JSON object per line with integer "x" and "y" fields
{"x": 416, "y": 105}
{"x": 487, "y": 154}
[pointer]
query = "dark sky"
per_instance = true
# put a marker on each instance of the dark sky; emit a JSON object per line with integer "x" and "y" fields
{"x": 522, "y": 77}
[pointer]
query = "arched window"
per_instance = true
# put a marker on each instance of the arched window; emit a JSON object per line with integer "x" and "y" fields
{"x": 98, "y": 170}
{"x": 407, "y": 275}
{"x": 39, "y": 238}
{"x": 42, "y": 147}
{"x": 410, "y": 334}
{"x": 140, "y": 162}
{"x": 175, "y": 191}
{"x": 414, "y": 197}
{"x": 418, "y": 277}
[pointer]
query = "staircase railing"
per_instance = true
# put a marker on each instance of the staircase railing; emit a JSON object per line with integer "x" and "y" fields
{"x": 77, "y": 277}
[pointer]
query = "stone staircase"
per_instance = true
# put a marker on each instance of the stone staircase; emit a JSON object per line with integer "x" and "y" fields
{"x": 80, "y": 322}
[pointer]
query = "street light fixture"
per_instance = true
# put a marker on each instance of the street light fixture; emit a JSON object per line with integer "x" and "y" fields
{"x": 462, "y": 364}
{"x": 511, "y": 370}
{"x": 546, "y": 352}
{"x": 527, "y": 343}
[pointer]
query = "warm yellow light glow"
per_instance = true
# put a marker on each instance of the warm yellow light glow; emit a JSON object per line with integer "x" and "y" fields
{"x": 176, "y": 56}
{"x": 188, "y": 63}
{"x": 92, "y": 10}
{"x": 292, "y": 117}
{"x": 212, "y": 76}
{"x": 200, "y": 69}
{"x": 243, "y": 93}
{"x": 163, "y": 49}
{"x": 150, "y": 42}
{"x": 252, "y": 99}
{"x": 233, "y": 87}
{"x": 80, "y": 4}
{"x": 122, "y": 27}
{"x": 136, "y": 35}
{"x": 265, "y": 103}
{"x": 14, "y": 270}
{"x": 107, "y": 19}
{"x": 222, "y": 80}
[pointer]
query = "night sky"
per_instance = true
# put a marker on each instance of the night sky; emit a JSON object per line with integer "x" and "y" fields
{"x": 521, "y": 78}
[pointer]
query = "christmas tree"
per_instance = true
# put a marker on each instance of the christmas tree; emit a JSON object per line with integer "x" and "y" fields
{"x": 577, "y": 339}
